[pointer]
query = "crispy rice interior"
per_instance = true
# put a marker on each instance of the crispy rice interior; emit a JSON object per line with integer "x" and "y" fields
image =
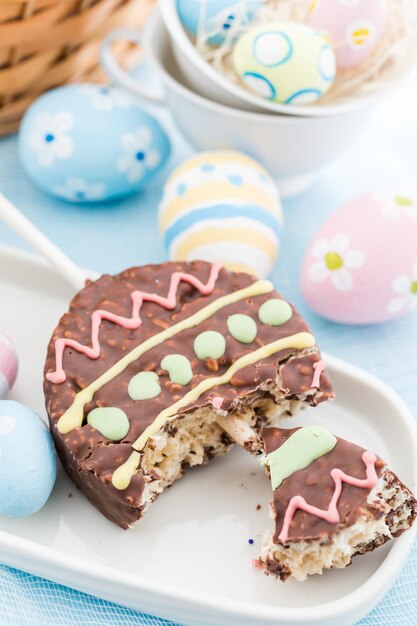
{"x": 300, "y": 559}
{"x": 195, "y": 438}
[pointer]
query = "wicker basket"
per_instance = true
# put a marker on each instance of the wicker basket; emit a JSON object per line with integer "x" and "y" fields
{"x": 45, "y": 43}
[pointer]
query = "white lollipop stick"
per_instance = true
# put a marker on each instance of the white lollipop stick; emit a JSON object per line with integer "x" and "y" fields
{"x": 33, "y": 236}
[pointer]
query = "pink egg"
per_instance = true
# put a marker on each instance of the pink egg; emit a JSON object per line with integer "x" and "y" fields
{"x": 353, "y": 26}
{"x": 361, "y": 268}
{"x": 8, "y": 365}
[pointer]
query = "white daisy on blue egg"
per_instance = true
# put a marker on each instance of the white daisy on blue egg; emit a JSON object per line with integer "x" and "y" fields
{"x": 86, "y": 144}
{"x": 48, "y": 137}
{"x": 139, "y": 155}
{"x": 105, "y": 98}
{"x": 79, "y": 190}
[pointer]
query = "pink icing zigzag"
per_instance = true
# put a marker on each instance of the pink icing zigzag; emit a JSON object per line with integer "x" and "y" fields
{"x": 130, "y": 323}
{"x": 319, "y": 367}
{"x": 331, "y": 515}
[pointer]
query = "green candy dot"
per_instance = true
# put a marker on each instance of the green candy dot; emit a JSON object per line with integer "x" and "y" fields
{"x": 178, "y": 368}
{"x": 333, "y": 261}
{"x": 209, "y": 344}
{"x": 110, "y": 421}
{"x": 413, "y": 288}
{"x": 403, "y": 201}
{"x": 242, "y": 327}
{"x": 275, "y": 312}
{"x": 144, "y": 386}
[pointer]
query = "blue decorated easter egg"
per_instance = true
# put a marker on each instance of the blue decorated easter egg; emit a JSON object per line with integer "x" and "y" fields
{"x": 216, "y": 19}
{"x": 285, "y": 62}
{"x": 87, "y": 143}
{"x": 222, "y": 206}
{"x": 27, "y": 460}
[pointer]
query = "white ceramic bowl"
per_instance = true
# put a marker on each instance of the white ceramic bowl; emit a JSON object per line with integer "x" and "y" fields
{"x": 293, "y": 149}
{"x": 207, "y": 81}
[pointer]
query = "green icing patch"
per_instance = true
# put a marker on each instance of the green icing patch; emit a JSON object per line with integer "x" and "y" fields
{"x": 275, "y": 312}
{"x": 209, "y": 344}
{"x": 242, "y": 327}
{"x": 300, "y": 449}
{"x": 144, "y": 386}
{"x": 178, "y": 368}
{"x": 413, "y": 288}
{"x": 110, "y": 421}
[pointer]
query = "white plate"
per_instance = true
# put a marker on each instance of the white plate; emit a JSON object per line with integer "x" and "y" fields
{"x": 189, "y": 558}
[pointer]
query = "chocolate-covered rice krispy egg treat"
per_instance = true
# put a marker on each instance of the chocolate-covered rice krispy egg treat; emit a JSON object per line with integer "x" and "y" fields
{"x": 146, "y": 365}
{"x": 331, "y": 501}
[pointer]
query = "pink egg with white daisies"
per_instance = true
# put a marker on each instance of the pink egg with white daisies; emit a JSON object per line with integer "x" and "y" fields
{"x": 361, "y": 268}
{"x": 8, "y": 365}
{"x": 354, "y": 27}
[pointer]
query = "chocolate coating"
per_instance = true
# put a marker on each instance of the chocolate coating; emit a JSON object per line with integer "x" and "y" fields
{"x": 87, "y": 456}
{"x": 316, "y": 485}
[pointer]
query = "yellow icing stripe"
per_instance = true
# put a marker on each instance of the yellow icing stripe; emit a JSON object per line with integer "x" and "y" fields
{"x": 215, "y": 158}
{"x": 123, "y": 475}
{"x": 73, "y": 416}
{"x": 298, "y": 341}
{"x": 211, "y": 234}
{"x": 220, "y": 192}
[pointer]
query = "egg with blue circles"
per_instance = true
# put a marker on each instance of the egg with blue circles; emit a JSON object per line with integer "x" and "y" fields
{"x": 285, "y": 62}
{"x": 222, "y": 206}
{"x": 90, "y": 143}
{"x": 218, "y": 19}
{"x": 27, "y": 460}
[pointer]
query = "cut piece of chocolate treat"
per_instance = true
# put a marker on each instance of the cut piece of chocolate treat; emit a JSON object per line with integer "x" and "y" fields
{"x": 331, "y": 501}
{"x": 144, "y": 364}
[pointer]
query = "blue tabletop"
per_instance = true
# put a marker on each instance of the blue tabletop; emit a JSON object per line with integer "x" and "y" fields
{"x": 114, "y": 236}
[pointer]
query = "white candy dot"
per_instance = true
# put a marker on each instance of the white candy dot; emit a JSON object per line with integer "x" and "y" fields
{"x": 272, "y": 48}
{"x": 327, "y": 63}
{"x": 259, "y": 85}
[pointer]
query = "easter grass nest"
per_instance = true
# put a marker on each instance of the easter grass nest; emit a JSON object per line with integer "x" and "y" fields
{"x": 391, "y": 58}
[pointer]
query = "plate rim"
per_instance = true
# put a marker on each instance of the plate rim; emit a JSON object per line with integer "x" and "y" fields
{"x": 176, "y": 598}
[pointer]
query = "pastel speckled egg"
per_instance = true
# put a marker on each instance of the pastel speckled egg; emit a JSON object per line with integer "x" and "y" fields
{"x": 87, "y": 143}
{"x": 217, "y": 18}
{"x": 222, "y": 206}
{"x": 8, "y": 365}
{"x": 286, "y": 62}
{"x": 361, "y": 267}
{"x": 353, "y": 26}
{"x": 27, "y": 460}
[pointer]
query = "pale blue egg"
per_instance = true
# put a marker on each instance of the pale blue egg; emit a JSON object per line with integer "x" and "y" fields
{"x": 88, "y": 143}
{"x": 219, "y": 17}
{"x": 27, "y": 460}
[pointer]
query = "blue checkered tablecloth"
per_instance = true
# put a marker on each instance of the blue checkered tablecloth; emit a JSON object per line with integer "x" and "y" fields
{"x": 384, "y": 155}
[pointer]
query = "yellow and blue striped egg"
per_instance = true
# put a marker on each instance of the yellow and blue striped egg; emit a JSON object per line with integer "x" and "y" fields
{"x": 222, "y": 206}
{"x": 285, "y": 62}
